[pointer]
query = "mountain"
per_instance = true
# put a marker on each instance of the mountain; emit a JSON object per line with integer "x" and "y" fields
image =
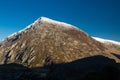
{"x": 48, "y": 41}
{"x": 60, "y": 50}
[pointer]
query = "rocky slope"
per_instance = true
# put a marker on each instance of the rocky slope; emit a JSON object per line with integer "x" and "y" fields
{"x": 113, "y": 46}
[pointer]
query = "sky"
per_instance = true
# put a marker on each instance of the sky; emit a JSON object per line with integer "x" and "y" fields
{"x": 100, "y": 18}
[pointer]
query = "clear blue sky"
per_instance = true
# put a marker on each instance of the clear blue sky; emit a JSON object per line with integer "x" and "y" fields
{"x": 99, "y": 18}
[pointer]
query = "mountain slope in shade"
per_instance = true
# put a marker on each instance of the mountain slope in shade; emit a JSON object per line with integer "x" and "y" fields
{"x": 47, "y": 41}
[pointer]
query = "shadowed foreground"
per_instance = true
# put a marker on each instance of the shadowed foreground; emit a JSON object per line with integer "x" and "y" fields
{"x": 91, "y": 68}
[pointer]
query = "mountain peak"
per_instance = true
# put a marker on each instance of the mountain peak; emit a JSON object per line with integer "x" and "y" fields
{"x": 45, "y": 20}
{"x": 51, "y": 21}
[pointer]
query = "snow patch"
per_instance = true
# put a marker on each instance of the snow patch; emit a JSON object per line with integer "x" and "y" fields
{"x": 51, "y": 21}
{"x": 106, "y": 41}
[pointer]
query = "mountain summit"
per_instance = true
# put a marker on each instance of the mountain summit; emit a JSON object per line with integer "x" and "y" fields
{"x": 48, "y": 41}
{"x": 44, "y": 20}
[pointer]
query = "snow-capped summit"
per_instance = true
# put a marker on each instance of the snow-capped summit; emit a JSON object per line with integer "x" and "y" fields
{"x": 45, "y": 20}
{"x": 106, "y": 41}
{"x": 51, "y": 21}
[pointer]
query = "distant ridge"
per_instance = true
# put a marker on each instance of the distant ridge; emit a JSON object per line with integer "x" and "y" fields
{"x": 106, "y": 41}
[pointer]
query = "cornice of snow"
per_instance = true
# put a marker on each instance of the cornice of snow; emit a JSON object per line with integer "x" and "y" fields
{"x": 106, "y": 41}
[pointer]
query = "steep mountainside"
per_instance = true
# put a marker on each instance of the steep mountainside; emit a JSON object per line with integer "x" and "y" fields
{"x": 47, "y": 41}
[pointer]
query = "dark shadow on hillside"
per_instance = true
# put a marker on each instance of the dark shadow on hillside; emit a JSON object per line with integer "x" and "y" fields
{"x": 116, "y": 55}
{"x": 11, "y": 71}
{"x": 91, "y": 68}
